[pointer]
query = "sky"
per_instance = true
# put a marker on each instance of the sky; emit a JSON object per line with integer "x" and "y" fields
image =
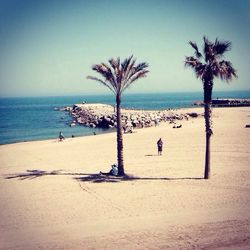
{"x": 47, "y": 47}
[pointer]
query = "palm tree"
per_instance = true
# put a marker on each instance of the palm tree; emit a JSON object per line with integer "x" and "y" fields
{"x": 207, "y": 66}
{"x": 118, "y": 77}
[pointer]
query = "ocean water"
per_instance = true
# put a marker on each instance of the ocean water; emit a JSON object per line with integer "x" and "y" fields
{"x": 35, "y": 118}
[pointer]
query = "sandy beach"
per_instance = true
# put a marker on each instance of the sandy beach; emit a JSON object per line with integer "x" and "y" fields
{"x": 52, "y": 196}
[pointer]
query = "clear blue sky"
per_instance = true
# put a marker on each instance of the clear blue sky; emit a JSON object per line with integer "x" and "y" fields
{"x": 47, "y": 47}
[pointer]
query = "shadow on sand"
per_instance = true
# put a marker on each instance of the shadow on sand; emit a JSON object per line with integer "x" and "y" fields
{"x": 94, "y": 178}
{"x": 98, "y": 178}
{"x": 32, "y": 174}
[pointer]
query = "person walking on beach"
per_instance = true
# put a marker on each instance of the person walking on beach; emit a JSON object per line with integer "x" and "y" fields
{"x": 159, "y": 146}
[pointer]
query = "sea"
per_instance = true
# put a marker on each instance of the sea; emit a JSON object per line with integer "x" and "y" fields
{"x": 37, "y": 118}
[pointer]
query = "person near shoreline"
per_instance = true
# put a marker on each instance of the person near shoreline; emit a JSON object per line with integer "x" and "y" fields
{"x": 61, "y": 136}
{"x": 159, "y": 146}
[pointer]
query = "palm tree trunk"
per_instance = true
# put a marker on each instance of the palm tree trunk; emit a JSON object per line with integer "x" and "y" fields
{"x": 208, "y": 135}
{"x": 119, "y": 137}
{"x": 208, "y": 86}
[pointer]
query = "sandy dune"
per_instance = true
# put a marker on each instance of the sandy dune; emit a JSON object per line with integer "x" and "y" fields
{"x": 53, "y": 198}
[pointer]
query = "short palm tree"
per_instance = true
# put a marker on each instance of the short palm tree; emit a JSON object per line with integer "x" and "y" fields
{"x": 118, "y": 77}
{"x": 207, "y": 66}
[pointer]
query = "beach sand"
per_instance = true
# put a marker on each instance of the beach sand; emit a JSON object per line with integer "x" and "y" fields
{"x": 53, "y": 198}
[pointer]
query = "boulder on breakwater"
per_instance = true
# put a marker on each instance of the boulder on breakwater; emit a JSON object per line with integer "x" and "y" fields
{"x": 104, "y": 116}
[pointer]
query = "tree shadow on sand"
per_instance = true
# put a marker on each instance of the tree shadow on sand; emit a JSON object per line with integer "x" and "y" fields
{"x": 32, "y": 174}
{"x": 98, "y": 178}
{"x": 94, "y": 178}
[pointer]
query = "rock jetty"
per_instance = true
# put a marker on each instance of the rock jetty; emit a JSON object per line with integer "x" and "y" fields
{"x": 104, "y": 116}
{"x": 227, "y": 103}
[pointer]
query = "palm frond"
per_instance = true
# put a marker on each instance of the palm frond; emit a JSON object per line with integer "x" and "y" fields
{"x": 134, "y": 73}
{"x": 115, "y": 64}
{"x": 139, "y": 75}
{"x": 208, "y": 50}
{"x": 191, "y": 61}
{"x": 120, "y": 75}
{"x": 125, "y": 63}
{"x": 102, "y": 69}
{"x": 135, "y": 77}
{"x": 221, "y": 47}
{"x": 226, "y": 71}
{"x": 109, "y": 74}
{"x": 103, "y": 82}
{"x": 141, "y": 66}
{"x": 129, "y": 70}
{"x": 195, "y": 47}
{"x": 135, "y": 70}
{"x": 215, "y": 68}
{"x": 106, "y": 73}
{"x": 200, "y": 70}
{"x": 117, "y": 71}
{"x": 195, "y": 64}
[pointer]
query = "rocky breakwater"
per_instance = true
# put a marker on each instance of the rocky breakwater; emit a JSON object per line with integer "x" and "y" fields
{"x": 227, "y": 103}
{"x": 104, "y": 116}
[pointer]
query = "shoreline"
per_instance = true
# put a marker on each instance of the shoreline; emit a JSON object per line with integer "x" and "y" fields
{"x": 32, "y": 119}
{"x": 109, "y": 130}
{"x": 196, "y": 109}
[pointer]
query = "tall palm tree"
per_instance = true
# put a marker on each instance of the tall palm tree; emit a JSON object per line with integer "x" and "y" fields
{"x": 207, "y": 66}
{"x": 118, "y": 77}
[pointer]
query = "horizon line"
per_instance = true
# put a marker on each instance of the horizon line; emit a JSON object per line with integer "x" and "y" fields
{"x": 110, "y": 94}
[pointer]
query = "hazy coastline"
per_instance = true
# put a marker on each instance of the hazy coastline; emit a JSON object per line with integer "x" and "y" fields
{"x": 32, "y": 119}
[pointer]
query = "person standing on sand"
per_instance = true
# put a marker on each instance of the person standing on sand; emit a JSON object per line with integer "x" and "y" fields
{"x": 159, "y": 146}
